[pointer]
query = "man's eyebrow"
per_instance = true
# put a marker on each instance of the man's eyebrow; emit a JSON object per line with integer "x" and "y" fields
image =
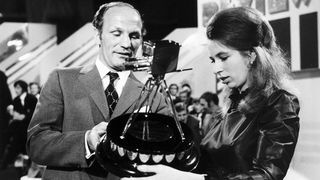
{"x": 135, "y": 32}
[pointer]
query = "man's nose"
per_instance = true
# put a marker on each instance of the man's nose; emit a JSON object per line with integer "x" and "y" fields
{"x": 126, "y": 42}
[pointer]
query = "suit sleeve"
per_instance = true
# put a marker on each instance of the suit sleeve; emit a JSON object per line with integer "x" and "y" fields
{"x": 47, "y": 143}
{"x": 162, "y": 106}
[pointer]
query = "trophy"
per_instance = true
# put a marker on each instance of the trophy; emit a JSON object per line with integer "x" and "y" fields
{"x": 145, "y": 137}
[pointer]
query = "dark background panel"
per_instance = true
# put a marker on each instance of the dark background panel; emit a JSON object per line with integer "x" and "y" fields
{"x": 160, "y": 16}
{"x": 281, "y": 29}
{"x": 309, "y": 41}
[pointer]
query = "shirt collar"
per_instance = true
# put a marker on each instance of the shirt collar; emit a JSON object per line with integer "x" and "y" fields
{"x": 103, "y": 70}
{"x": 23, "y": 96}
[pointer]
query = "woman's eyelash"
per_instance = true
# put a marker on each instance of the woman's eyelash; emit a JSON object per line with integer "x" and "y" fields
{"x": 212, "y": 60}
{"x": 224, "y": 58}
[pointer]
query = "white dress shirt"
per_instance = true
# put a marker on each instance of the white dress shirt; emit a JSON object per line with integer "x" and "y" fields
{"x": 22, "y": 98}
{"x": 118, "y": 83}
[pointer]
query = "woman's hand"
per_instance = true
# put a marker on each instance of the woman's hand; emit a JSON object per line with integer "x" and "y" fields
{"x": 163, "y": 172}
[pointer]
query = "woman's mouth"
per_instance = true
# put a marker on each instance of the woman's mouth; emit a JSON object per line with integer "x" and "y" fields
{"x": 224, "y": 79}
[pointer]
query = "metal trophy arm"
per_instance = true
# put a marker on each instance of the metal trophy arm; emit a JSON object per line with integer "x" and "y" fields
{"x": 158, "y": 82}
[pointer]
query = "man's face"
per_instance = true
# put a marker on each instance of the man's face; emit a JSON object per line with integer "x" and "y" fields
{"x": 203, "y": 104}
{"x": 183, "y": 96}
{"x": 182, "y": 116}
{"x": 173, "y": 90}
{"x": 18, "y": 90}
{"x": 34, "y": 89}
{"x": 121, "y": 36}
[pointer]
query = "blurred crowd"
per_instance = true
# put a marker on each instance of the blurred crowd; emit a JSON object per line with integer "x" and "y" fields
{"x": 15, "y": 115}
{"x": 197, "y": 113}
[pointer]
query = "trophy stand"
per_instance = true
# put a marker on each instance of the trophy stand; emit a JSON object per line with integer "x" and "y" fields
{"x": 153, "y": 83}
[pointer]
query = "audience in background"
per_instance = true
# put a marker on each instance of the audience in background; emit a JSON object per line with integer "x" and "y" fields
{"x": 35, "y": 89}
{"x": 15, "y": 136}
{"x": 174, "y": 93}
{"x": 185, "y": 95}
{"x": 209, "y": 107}
{"x": 191, "y": 121}
{"x": 195, "y": 108}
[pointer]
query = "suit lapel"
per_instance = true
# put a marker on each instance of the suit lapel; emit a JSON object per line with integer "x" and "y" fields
{"x": 129, "y": 95}
{"x": 90, "y": 78}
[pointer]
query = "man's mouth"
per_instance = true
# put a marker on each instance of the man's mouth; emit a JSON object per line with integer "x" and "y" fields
{"x": 125, "y": 54}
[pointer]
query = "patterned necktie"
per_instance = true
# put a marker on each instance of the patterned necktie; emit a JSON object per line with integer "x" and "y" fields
{"x": 111, "y": 93}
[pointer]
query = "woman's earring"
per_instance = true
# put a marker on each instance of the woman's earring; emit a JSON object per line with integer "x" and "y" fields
{"x": 250, "y": 63}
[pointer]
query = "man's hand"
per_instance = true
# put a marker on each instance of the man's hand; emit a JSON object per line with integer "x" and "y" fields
{"x": 17, "y": 116}
{"x": 95, "y": 135}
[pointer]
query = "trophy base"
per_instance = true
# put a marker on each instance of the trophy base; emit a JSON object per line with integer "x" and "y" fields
{"x": 121, "y": 156}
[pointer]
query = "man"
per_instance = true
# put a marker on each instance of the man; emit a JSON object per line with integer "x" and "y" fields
{"x": 191, "y": 121}
{"x": 185, "y": 96}
{"x": 209, "y": 103}
{"x": 35, "y": 89}
{"x": 174, "y": 90}
{"x": 73, "y": 111}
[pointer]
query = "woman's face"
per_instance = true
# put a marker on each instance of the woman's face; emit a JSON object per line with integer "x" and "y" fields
{"x": 230, "y": 65}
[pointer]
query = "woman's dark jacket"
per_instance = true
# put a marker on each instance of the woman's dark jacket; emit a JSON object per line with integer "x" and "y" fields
{"x": 256, "y": 146}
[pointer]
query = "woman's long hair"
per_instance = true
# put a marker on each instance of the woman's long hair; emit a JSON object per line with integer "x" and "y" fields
{"x": 246, "y": 29}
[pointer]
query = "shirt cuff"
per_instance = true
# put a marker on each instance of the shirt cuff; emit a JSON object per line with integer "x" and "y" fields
{"x": 89, "y": 154}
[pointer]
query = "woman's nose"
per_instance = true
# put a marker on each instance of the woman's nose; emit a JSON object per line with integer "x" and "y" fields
{"x": 217, "y": 67}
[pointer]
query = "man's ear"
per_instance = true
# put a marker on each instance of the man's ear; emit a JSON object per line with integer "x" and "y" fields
{"x": 98, "y": 38}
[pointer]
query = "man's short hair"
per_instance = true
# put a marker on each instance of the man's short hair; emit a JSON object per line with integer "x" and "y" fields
{"x": 209, "y": 96}
{"x": 180, "y": 107}
{"x": 174, "y": 85}
{"x": 98, "y": 17}
{"x": 22, "y": 84}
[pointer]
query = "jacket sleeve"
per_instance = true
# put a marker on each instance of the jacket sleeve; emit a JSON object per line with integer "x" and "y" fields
{"x": 278, "y": 134}
{"x": 47, "y": 144}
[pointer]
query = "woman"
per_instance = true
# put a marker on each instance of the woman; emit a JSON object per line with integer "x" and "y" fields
{"x": 255, "y": 135}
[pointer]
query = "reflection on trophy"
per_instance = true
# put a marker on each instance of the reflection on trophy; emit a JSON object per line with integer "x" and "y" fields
{"x": 144, "y": 137}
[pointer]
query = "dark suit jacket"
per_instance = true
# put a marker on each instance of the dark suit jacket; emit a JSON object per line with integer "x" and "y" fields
{"x": 72, "y": 102}
{"x": 27, "y": 109}
{"x": 16, "y": 133}
{"x": 5, "y": 100}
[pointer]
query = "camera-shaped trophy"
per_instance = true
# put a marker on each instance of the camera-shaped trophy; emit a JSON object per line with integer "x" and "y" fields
{"x": 149, "y": 138}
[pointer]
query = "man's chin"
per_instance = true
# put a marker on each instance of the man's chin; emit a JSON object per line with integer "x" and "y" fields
{"x": 119, "y": 67}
